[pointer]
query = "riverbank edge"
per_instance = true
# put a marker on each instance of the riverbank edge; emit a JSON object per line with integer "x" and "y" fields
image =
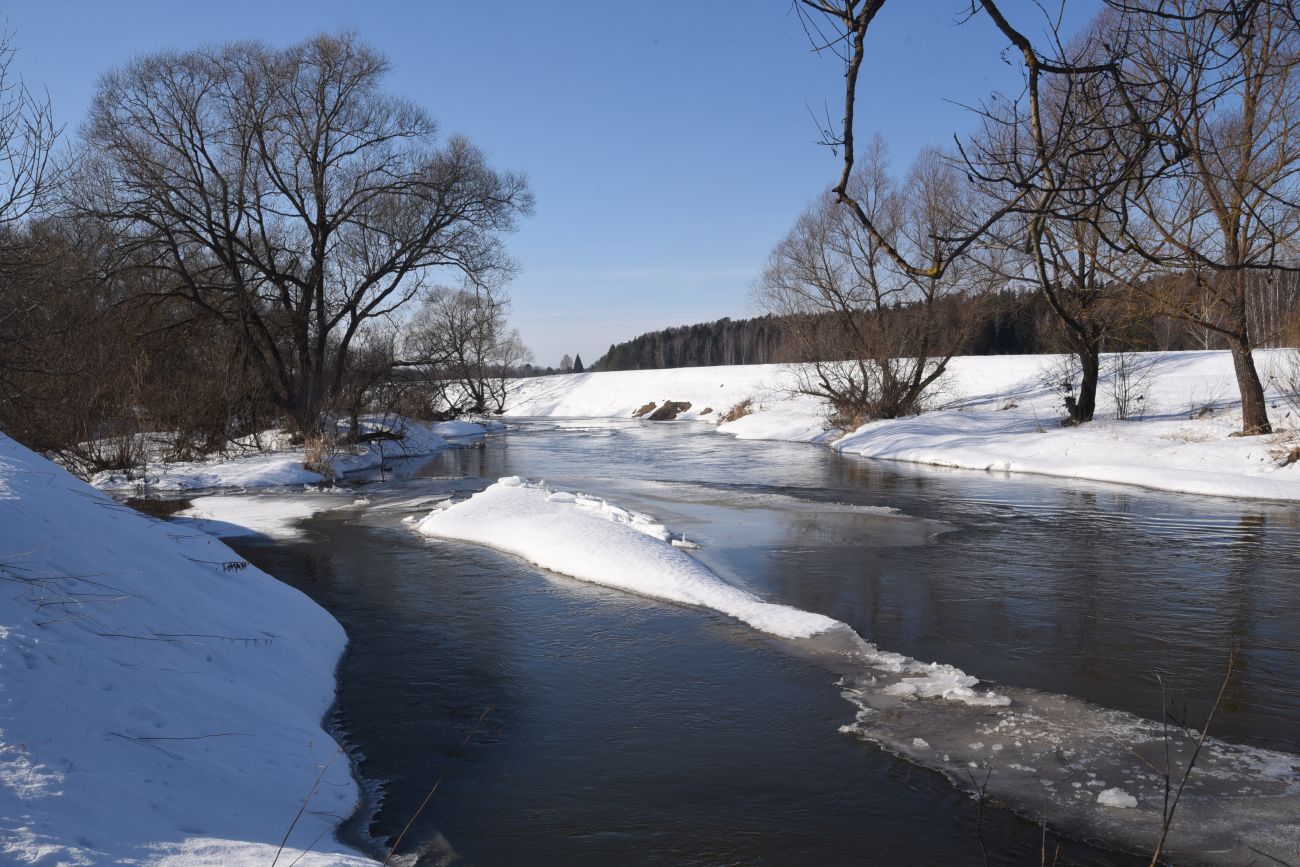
{"x": 64, "y": 532}
{"x": 991, "y": 413}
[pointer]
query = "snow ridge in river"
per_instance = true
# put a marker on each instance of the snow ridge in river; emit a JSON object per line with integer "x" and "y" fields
{"x": 593, "y": 540}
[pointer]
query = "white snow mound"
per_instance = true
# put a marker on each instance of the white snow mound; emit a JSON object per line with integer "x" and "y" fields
{"x": 592, "y": 540}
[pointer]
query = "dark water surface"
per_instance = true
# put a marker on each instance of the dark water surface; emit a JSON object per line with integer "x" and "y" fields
{"x": 619, "y": 730}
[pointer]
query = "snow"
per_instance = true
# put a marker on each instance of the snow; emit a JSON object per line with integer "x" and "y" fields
{"x": 160, "y": 699}
{"x": 1117, "y": 798}
{"x": 990, "y": 413}
{"x": 272, "y": 515}
{"x": 281, "y": 464}
{"x": 591, "y": 539}
{"x": 250, "y": 471}
{"x": 459, "y": 429}
{"x": 621, "y": 394}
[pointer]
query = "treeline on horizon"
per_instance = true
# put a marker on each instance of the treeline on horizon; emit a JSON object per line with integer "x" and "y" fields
{"x": 1009, "y": 322}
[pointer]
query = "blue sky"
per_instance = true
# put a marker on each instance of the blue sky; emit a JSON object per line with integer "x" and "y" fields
{"x": 668, "y": 142}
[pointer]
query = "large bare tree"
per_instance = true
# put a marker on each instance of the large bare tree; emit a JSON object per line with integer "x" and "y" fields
{"x": 873, "y": 336}
{"x": 288, "y": 199}
{"x": 1228, "y": 79}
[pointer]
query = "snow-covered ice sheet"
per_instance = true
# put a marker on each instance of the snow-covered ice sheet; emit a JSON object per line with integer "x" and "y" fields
{"x": 994, "y": 413}
{"x": 1194, "y": 457}
{"x": 274, "y": 515}
{"x": 273, "y": 469}
{"x": 160, "y": 699}
{"x": 1095, "y": 771}
{"x": 593, "y": 540}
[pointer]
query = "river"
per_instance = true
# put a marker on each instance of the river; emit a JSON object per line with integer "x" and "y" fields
{"x": 565, "y": 723}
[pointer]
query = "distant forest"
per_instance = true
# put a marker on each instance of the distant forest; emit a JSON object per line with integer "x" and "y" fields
{"x": 1010, "y": 323}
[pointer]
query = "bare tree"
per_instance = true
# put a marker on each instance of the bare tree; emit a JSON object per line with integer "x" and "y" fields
{"x": 460, "y": 342}
{"x": 369, "y": 382}
{"x": 1206, "y": 91}
{"x": 286, "y": 196}
{"x": 1070, "y": 145}
{"x": 873, "y": 336}
{"x": 841, "y": 27}
{"x": 1230, "y": 208}
{"x": 27, "y": 137}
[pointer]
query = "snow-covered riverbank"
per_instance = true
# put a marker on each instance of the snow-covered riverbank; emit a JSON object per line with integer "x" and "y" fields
{"x": 160, "y": 699}
{"x": 995, "y": 413}
{"x": 273, "y": 461}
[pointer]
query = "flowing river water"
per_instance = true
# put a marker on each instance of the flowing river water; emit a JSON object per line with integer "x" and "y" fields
{"x": 559, "y": 722}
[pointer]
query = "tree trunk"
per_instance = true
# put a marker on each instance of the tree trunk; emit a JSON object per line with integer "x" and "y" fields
{"x": 1254, "y": 410}
{"x": 1090, "y": 365}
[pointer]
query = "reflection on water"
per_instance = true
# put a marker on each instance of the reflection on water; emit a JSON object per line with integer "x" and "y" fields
{"x": 634, "y": 731}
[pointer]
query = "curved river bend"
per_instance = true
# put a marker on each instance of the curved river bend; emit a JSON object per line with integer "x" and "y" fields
{"x": 617, "y": 729}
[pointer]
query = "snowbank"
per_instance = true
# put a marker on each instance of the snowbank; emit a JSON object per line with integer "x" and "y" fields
{"x": 997, "y": 413}
{"x": 715, "y": 389}
{"x": 593, "y": 540}
{"x": 161, "y": 699}
{"x": 282, "y": 464}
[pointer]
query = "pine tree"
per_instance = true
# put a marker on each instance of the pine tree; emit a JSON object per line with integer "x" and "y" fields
{"x": 577, "y": 364}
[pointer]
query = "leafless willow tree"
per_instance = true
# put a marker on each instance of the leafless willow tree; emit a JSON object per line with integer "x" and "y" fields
{"x": 27, "y": 137}
{"x": 465, "y": 351}
{"x": 874, "y": 336}
{"x": 288, "y": 199}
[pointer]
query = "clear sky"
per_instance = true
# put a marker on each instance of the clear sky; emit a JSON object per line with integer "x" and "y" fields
{"x": 668, "y": 142}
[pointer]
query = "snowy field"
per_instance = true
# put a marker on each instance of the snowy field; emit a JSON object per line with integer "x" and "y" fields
{"x": 994, "y": 413}
{"x": 161, "y": 699}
